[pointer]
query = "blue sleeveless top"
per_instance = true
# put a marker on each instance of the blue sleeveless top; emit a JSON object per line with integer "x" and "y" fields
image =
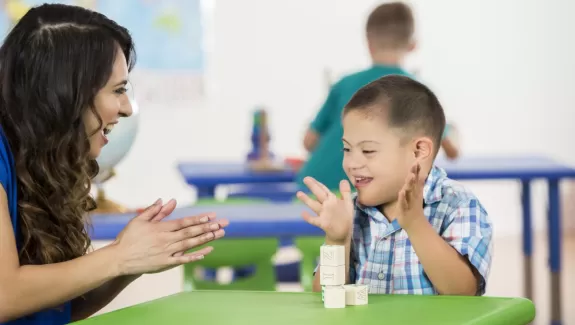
{"x": 8, "y": 181}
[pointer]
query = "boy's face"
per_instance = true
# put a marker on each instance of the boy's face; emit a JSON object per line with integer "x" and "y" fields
{"x": 375, "y": 160}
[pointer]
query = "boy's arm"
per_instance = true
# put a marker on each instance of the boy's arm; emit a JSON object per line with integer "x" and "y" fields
{"x": 451, "y": 151}
{"x": 316, "y": 286}
{"x": 310, "y": 139}
{"x": 449, "y": 147}
{"x": 327, "y": 115}
{"x": 458, "y": 261}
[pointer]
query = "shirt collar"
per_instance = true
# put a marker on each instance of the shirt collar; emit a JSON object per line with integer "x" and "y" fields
{"x": 432, "y": 188}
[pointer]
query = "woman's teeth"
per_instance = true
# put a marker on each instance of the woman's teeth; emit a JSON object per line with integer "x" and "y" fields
{"x": 108, "y": 129}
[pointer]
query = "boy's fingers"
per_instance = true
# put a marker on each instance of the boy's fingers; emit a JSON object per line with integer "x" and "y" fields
{"x": 345, "y": 190}
{"x": 316, "y": 188}
{"x": 311, "y": 203}
{"x": 314, "y": 221}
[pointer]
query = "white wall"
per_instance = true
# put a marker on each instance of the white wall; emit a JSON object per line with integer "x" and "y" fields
{"x": 504, "y": 71}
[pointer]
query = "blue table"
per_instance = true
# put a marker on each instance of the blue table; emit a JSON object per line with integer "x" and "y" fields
{"x": 524, "y": 169}
{"x": 207, "y": 176}
{"x": 246, "y": 220}
{"x": 275, "y": 192}
{"x": 282, "y": 221}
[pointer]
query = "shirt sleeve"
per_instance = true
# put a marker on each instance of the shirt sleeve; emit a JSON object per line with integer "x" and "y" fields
{"x": 470, "y": 232}
{"x": 329, "y": 112}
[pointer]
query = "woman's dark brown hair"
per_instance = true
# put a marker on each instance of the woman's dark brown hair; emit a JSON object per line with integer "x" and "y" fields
{"x": 52, "y": 65}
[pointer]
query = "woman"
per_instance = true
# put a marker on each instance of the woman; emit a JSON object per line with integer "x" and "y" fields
{"x": 63, "y": 73}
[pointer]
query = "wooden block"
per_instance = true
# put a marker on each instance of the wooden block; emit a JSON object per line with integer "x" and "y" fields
{"x": 331, "y": 255}
{"x": 332, "y": 275}
{"x": 356, "y": 294}
{"x": 334, "y": 297}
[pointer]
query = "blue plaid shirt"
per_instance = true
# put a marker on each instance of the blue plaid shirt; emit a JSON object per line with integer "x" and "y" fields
{"x": 382, "y": 256}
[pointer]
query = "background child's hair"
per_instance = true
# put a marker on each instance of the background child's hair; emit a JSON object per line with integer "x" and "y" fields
{"x": 407, "y": 104}
{"x": 390, "y": 25}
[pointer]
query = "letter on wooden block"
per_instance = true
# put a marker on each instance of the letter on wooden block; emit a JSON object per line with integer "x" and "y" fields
{"x": 356, "y": 294}
{"x": 331, "y": 255}
{"x": 332, "y": 275}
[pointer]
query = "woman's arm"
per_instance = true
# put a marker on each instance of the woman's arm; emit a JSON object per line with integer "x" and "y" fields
{"x": 30, "y": 288}
{"x": 90, "y": 303}
{"x": 145, "y": 245}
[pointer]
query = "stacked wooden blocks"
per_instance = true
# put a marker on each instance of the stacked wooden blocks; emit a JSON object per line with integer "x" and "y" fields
{"x": 335, "y": 293}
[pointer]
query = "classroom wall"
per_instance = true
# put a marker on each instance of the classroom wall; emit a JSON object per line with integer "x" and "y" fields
{"x": 504, "y": 71}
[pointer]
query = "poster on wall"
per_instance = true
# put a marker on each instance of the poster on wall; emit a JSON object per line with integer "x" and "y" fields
{"x": 168, "y": 36}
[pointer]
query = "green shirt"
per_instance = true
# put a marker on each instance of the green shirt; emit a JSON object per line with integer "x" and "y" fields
{"x": 325, "y": 162}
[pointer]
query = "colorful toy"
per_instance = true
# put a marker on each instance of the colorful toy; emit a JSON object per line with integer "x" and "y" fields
{"x": 261, "y": 158}
{"x": 260, "y": 137}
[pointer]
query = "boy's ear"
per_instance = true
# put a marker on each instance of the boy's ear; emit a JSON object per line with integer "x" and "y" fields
{"x": 412, "y": 45}
{"x": 423, "y": 148}
{"x": 369, "y": 45}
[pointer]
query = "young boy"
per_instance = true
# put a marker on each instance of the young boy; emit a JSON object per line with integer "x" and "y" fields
{"x": 389, "y": 32}
{"x": 410, "y": 229}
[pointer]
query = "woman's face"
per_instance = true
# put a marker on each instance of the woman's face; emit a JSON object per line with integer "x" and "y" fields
{"x": 111, "y": 103}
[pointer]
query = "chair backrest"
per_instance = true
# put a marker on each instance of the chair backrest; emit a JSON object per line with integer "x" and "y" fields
{"x": 310, "y": 249}
{"x": 237, "y": 253}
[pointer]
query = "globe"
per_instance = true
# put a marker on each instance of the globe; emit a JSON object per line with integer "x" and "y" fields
{"x": 120, "y": 142}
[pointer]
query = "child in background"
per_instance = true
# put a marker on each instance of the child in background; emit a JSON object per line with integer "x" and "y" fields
{"x": 389, "y": 32}
{"x": 409, "y": 229}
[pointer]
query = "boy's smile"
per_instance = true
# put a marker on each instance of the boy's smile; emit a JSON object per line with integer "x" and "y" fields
{"x": 361, "y": 181}
{"x": 375, "y": 160}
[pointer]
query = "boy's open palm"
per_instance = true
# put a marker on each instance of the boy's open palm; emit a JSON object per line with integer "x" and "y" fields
{"x": 334, "y": 215}
{"x": 410, "y": 197}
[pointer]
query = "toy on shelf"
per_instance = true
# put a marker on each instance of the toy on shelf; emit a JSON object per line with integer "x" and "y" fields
{"x": 261, "y": 158}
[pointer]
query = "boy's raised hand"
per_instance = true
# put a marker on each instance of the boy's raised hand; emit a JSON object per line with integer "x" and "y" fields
{"x": 334, "y": 215}
{"x": 410, "y": 198}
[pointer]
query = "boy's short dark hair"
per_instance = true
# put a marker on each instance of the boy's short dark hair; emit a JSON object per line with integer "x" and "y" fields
{"x": 390, "y": 25}
{"x": 407, "y": 104}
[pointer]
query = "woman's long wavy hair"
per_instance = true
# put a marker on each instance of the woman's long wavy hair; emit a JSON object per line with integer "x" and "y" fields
{"x": 52, "y": 65}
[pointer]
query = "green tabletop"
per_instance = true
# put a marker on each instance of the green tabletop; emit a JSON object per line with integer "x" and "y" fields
{"x": 299, "y": 308}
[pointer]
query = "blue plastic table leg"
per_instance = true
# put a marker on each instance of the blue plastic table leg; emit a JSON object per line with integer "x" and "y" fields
{"x": 527, "y": 239}
{"x": 554, "y": 237}
{"x": 207, "y": 192}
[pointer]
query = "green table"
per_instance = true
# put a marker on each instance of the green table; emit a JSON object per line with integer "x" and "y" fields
{"x": 299, "y": 308}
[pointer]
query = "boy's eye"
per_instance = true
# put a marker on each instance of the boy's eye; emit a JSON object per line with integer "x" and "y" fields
{"x": 345, "y": 149}
{"x": 367, "y": 152}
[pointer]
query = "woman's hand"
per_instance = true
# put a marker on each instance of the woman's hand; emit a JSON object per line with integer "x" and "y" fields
{"x": 149, "y": 245}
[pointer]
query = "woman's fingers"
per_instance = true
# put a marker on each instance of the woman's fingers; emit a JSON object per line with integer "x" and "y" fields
{"x": 189, "y": 243}
{"x": 150, "y": 211}
{"x": 166, "y": 210}
{"x": 182, "y": 223}
{"x": 194, "y": 231}
{"x": 183, "y": 258}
